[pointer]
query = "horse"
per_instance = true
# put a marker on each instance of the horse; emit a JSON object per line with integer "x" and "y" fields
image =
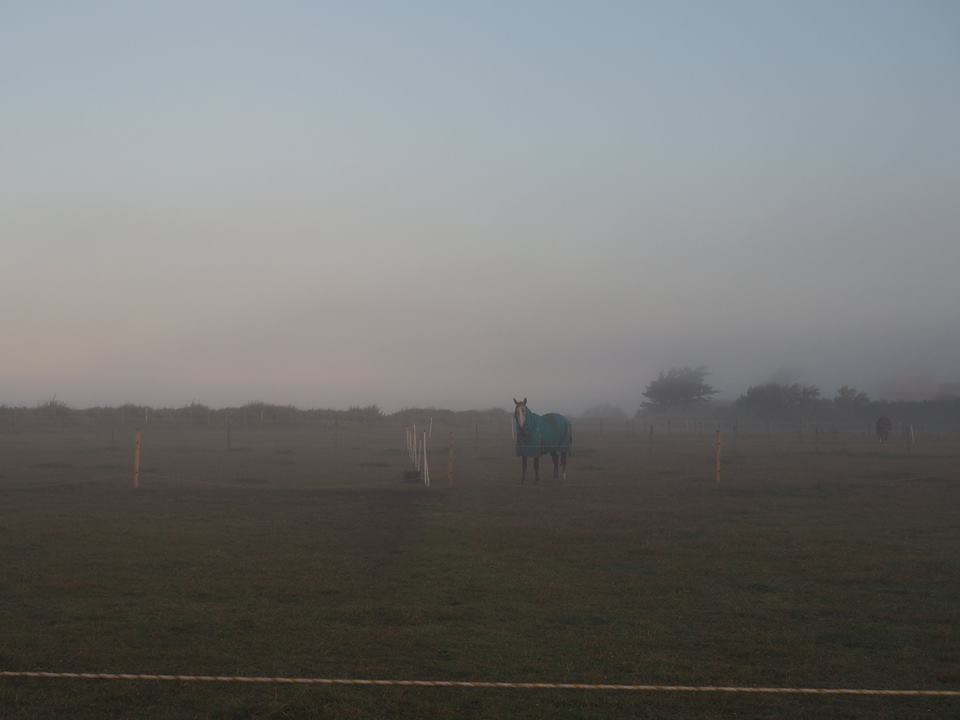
{"x": 884, "y": 426}
{"x": 538, "y": 435}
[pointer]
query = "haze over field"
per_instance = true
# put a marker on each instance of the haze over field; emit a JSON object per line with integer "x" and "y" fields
{"x": 446, "y": 204}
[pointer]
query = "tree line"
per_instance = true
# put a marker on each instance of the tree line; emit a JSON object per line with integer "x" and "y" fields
{"x": 55, "y": 413}
{"x": 684, "y": 390}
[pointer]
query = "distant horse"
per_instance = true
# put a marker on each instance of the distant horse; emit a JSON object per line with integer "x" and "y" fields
{"x": 884, "y": 426}
{"x": 539, "y": 435}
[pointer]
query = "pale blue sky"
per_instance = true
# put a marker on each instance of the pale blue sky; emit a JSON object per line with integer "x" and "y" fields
{"x": 450, "y": 204}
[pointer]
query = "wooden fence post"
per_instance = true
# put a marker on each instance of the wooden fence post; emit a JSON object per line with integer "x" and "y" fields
{"x": 450, "y": 462}
{"x": 136, "y": 462}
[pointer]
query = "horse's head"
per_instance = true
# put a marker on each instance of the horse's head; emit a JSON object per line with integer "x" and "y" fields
{"x": 520, "y": 413}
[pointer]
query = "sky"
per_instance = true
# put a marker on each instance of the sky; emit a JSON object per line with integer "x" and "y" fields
{"x": 451, "y": 204}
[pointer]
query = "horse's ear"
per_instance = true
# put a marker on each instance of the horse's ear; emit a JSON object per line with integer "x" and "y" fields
{"x": 524, "y": 401}
{"x": 515, "y": 402}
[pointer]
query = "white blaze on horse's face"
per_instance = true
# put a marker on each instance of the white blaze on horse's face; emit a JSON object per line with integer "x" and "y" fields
{"x": 521, "y": 414}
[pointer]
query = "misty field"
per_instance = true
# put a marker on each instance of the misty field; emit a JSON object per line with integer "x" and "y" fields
{"x": 300, "y": 552}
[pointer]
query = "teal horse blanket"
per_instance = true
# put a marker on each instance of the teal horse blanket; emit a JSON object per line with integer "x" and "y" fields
{"x": 550, "y": 433}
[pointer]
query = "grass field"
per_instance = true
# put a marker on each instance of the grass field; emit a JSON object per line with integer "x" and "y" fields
{"x": 298, "y": 552}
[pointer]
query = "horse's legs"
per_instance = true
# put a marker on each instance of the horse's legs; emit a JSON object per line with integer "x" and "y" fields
{"x": 553, "y": 456}
{"x": 523, "y": 475}
{"x": 563, "y": 464}
{"x": 536, "y": 468}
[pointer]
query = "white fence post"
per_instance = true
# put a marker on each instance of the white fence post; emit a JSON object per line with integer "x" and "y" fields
{"x": 426, "y": 466}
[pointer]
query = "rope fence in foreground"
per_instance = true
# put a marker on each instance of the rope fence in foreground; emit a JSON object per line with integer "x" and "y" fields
{"x": 487, "y": 685}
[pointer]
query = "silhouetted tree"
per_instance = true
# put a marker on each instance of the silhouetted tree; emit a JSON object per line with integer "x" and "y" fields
{"x": 367, "y": 412}
{"x": 678, "y": 388}
{"x": 850, "y": 397}
{"x": 774, "y": 399}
